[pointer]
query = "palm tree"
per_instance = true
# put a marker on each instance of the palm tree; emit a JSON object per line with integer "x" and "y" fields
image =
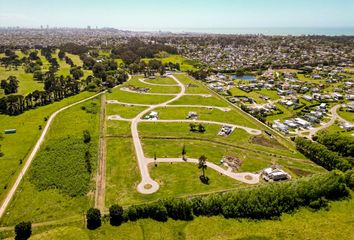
{"x": 202, "y": 164}
{"x": 184, "y": 152}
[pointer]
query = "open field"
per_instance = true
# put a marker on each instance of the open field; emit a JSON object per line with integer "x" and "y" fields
{"x": 175, "y": 179}
{"x": 348, "y": 116}
{"x": 161, "y": 80}
{"x": 123, "y": 110}
{"x": 199, "y": 100}
{"x": 232, "y": 116}
{"x": 185, "y": 64}
{"x": 192, "y": 86}
{"x": 303, "y": 224}
{"x": 129, "y": 97}
{"x": 26, "y": 85}
{"x": 153, "y": 89}
{"x": 252, "y": 160}
{"x": 59, "y": 180}
{"x": 17, "y": 146}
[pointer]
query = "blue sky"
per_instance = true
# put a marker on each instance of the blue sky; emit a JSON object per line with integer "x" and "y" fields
{"x": 182, "y": 14}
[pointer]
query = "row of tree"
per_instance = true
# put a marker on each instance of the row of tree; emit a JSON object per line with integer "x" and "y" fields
{"x": 264, "y": 202}
{"x": 321, "y": 155}
{"x": 336, "y": 142}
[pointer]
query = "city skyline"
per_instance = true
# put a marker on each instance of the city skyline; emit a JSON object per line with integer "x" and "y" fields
{"x": 182, "y": 15}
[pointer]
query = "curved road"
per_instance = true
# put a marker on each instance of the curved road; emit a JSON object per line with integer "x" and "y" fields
{"x": 147, "y": 184}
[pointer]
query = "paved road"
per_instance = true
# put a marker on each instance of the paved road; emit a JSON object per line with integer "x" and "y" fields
{"x": 147, "y": 184}
{"x": 14, "y": 187}
{"x": 246, "y": 177}
{"x": 333, "y": 111}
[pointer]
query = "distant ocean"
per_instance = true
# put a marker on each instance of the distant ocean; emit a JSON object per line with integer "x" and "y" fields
{"x": 264, "y": 31}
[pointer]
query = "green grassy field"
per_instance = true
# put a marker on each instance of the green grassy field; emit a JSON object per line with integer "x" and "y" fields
{"x": 349, "y": 116}
{"x": 232, "y": 116}
{"x": 161, "y": 80}
{"x": 123, "y": 110}
{"x": 200, "y": 100}
{"x": 256, "y": 95}
{"x": 17, "y": 146}
{"x": 185, "y": 64}
{"x": 129, "y": 97}
{"x": 58, "y": 182}
{"x": 26, "y": 82}
{"x": 192, "y": 86}
{"x": 336, "y": 223}
{"x": 175, "y": 179}
{"x": 153, "y": 89}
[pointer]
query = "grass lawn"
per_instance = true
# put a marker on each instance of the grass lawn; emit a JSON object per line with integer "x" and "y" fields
{"x": 303, "y": 224}
{"x": 239, "y": 136}
{"x": 161, "y": 80}
{"x": 192, "y": 86}
{"x": 199, "y": 100}
{"x": 117, "y": 128}
{"x": 185, "y": 64}
{"x": 17, "y": 146}
{"x": 175, "y": 179}
{"x": 232, "y": 116}
{"x": 26, "y": 85}
{"x": 129, "y": 97}
{"x": 153, "y": 89}
{"x": 252, "y": 161}
{"x": 349, "y": 116}
{"x": 75, "y": 58}
{"x": 123, "y": 110}
{"x": 58, "y": 182}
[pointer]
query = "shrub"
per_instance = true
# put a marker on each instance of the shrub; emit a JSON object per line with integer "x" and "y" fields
{"x": 319, "y": 204}
{"x": 115, "y": 215}
{"x": 23, "y": 230}
{"x": 86, "y": 136}
{"x": 178, "y": 209}
{"x": 93, "y": 217}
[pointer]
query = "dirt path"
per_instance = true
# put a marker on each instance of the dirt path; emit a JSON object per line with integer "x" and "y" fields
{"x": 34, "y": 151}
{"x": 101, "y": 165}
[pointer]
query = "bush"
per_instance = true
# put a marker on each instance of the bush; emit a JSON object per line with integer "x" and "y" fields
{"x": 349, "y": 179}
{"x": 335, "y": 142}
{"x": 179, "y": 209}
{"x": 115, "y": 215}
{"x": 319, "y": 204}
{"x": 23, "y": 230}
{"x": 86, "y": 136}
{"x": 157, "y": 211}
{"x": 93, "y": 217}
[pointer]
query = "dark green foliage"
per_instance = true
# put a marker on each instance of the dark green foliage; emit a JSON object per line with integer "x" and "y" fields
{"x": 157, "y": 211}
{"x": 349, "y": 179}
{"x": 178, "y": 209}
{"x": 321, "y": 155}
{"x": 76, "y": 72}
{"x": 62, "y": 166}
{"x": 86, "y": 136}
{"x": 319, "y": 204}
{"x": 338, "y": 143}
{"x": 23, "y": 230}
{"x": 116, "y": 215}
{"x": 88, "y": 161}
{"x": 10, "y": 85}
{"x": 93, "y": 218}
{"x": 132, "y": 214}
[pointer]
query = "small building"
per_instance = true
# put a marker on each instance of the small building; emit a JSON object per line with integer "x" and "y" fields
{"x": 152, "y": 116}
{"x": 192, "y": 115}
{"x": 225, "y": 130}
{"x": 10, "y": 131}
{"x": 274, "y": 174}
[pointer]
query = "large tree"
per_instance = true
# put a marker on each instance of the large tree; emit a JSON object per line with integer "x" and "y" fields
{"x": 23, "y": 230}
{"x": 93, "y": 217}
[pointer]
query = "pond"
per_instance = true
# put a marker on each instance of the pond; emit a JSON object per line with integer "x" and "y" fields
{"x": 245, "y": 77}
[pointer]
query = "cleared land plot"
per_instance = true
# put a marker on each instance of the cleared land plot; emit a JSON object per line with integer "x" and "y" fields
{"x": 349, "y": 116}
{"x": 256, "y": 95}
{"x": 60, "y": 176}
{"x": 161, "y": 80}
{"x": 185, "y": 64}
{"x": 232, "y": 117}
{"x": 129, "y": 97}
{"x": 16, "y": 146}
{"x": 200, "y": 100}
{"x": 153, "y": 89}
{"x": 252, "y": 161}
{"x": 152, "y": 129}
{"x": 123, "y": 110}
{"x": 118, "y": 128}
{"x": 175, "y": 179}
{"x": 192, "y": 86}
